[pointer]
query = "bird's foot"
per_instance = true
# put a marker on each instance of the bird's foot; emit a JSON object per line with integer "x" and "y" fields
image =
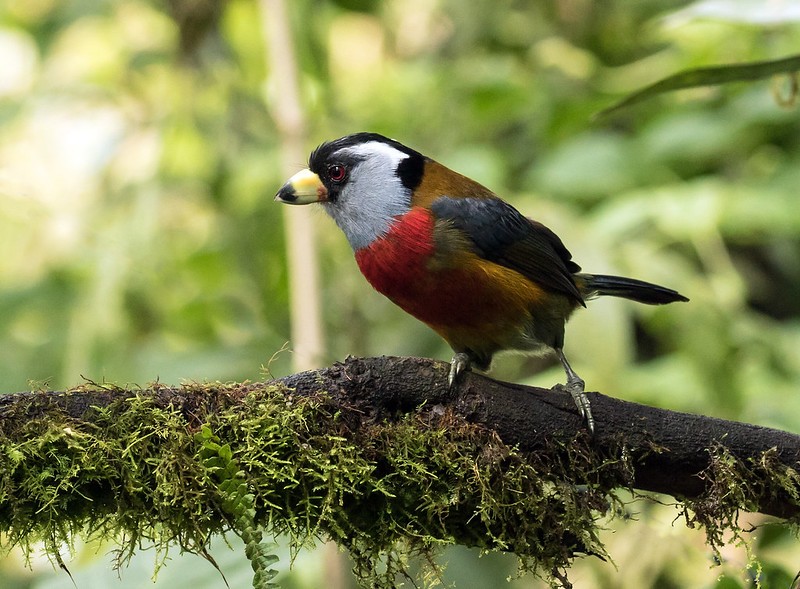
{"x": 460, "y": 363}
{"x": 575, "y": 388}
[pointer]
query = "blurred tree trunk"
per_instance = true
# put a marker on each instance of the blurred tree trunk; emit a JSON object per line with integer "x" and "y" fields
{"x": 301, "y": 248}
{"x": 286, "y": 107}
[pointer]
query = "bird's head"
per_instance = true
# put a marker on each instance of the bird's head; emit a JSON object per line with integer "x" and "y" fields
{"x": 364, "y": 181}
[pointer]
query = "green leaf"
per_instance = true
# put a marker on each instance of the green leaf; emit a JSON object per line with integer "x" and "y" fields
{"x": 225, "y": 452}
{"x": 708, "y": 76}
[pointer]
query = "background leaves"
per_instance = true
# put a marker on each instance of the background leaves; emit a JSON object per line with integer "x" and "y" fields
{"x": 139, "y": 240}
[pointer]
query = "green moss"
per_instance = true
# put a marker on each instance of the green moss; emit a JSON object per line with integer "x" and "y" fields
{"x": 238, "y": 503}
{"x": 174, "y": 467}
{"x": 120, "y": 471}
{"x": 734, "y": 485}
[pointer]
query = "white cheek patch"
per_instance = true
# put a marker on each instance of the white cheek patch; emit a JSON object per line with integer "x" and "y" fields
{"x": 373, "y": 194}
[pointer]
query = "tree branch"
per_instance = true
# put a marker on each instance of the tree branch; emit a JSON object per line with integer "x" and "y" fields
{"x": 671, "y": 452}
{"x": 370, "y": 452}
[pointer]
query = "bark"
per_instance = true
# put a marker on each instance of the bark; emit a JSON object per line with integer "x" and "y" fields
{"x": 671, "y": 451}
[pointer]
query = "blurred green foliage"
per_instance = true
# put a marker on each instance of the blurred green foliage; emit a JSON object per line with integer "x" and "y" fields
{"x": 139, "y": 239}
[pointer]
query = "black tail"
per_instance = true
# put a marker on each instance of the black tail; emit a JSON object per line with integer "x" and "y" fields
{"x": 628, "y": 288}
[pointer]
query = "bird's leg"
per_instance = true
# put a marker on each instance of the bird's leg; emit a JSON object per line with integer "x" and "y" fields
{"x": 575, "y": 386}
{"x": 461, "y": 362}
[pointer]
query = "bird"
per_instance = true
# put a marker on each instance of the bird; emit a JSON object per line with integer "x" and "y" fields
{"x": 455, "y": 255}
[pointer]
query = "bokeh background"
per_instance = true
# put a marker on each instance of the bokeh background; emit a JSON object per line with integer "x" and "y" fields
{"x": 141, "y": 144}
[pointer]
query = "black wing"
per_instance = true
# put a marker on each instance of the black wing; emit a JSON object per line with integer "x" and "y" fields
{"x": 503, "y": 235}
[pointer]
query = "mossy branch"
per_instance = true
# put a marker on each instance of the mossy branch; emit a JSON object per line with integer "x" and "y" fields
{"x": 377, "y": 454}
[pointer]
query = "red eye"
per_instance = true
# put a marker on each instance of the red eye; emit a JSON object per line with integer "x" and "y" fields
{"x": 337, "y": 172}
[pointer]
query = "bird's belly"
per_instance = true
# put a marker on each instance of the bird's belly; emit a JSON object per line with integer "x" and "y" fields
{"x": 471, "y": 302}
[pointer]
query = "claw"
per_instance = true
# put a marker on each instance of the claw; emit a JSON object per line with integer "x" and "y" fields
{"x": 575, "y": 386}
{"x": 458, "y": 364}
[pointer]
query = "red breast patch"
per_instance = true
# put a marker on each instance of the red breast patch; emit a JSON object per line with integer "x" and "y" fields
{"x": 395, "y": 262}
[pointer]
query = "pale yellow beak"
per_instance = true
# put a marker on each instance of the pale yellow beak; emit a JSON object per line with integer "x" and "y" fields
{"x": 303, "y": 188}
